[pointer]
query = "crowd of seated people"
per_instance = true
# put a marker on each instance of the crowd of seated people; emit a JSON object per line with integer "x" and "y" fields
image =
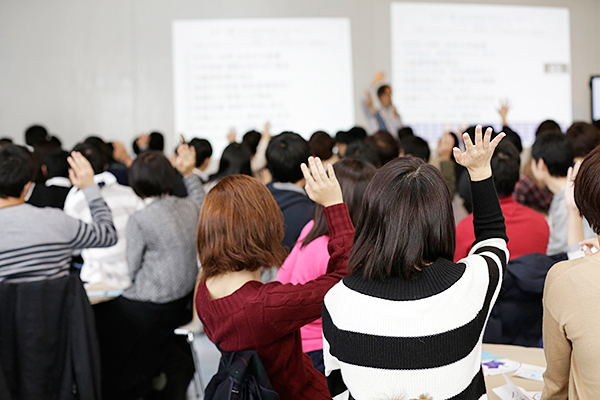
{"x": 338, "y": 260}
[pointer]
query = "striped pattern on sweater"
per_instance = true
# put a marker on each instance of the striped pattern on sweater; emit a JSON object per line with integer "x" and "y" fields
{"x": 403, "y": 338}
{"x": 37, "y": 243}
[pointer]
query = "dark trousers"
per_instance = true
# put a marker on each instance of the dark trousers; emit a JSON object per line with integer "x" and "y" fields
{"x": 317, "y": 359}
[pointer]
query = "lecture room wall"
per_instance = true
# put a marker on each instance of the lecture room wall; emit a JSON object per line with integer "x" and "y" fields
{"x": 83, "y": 66}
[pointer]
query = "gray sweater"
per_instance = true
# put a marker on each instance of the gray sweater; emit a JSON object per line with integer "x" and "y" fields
{"x": 37, "y": 243}
{"x": 161, "y": 246}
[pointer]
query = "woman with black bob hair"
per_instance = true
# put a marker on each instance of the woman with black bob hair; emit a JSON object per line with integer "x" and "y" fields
{"x": 234, "y": 160}
{"x": 407, "y": 320}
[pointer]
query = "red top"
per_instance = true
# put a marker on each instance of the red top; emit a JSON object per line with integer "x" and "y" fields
{"x": 267, "y": 318}
{"x": 527, "y": 231}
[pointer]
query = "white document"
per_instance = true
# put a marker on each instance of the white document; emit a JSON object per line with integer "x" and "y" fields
{"x": 528, "y": 371}
{"x": 295, "y": 73}
{"x": 510, "y": 391}
{"x": 452, "y": 65}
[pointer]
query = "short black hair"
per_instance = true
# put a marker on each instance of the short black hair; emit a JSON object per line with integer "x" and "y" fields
{"x": 364, "y": 152}
{"x": 556, "y": 151}
{"x": 203, "y": 150}
{"x": 356, "y": 133}
{"x": 101, "y": 145}
{"x": 151, "y": 174}
{"x": 5, "y": 141}
{"x": 513, "y": 137}
{"x": 506, "y": 164}
{"x": 385, "y": 145}
{"x": 56, "y": 163}
{"x": 584, "y": 138}
{"x": 406, "y": 221}
{"x": 157, "y": 141}
{"x": 417, "y": 147}
{"x": 405, "y": 131}
{"x": 250, "y": 141}
{"x": 285, "y": 153}
{"x": 321, "y": 145}
{"x": 548, "y": 125}
{"x": 235, "y": 160}
{"x": 35, "y": 134}
{"x": 16, "y": 169}
{"x": 381, "y": 90}
{"x": 97, "y": 157}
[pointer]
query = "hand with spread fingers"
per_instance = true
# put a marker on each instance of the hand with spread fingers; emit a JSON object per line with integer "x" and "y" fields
{"x": 186, "y": 159}
{"x": 477, "y": 156}
{"x": 81, "y": 172}
{"x": 322, "y": 187}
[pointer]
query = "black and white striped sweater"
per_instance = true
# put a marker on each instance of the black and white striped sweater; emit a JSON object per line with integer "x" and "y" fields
{"x": 401, "y": 339}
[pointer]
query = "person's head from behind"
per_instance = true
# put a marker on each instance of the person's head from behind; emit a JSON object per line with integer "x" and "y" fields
{"x": 405, "y": 131}
{"x": 353, "y": 176}
{"x": 56, "y": 164}
{"x": 406, "y": 221}
{"x": 551, "y": 156}
{"x": 345, "y": 138}
{"x": 321, "y": 145}
{"x": 16, "y": 171}
{"x": 234, "y": 160}
{"x": 385, "y": 145}
{"x": 548, "y": 125}
{"x": 384, "y": 94}
{"x": 5, "y": 141}
{"x": 285, "y": 153}
{"x": 364, "y": 152}
{"x": 157, "y": 141}
{"x": 584, "y": 138}
{"x": 240, "y": 228}
{"x": 250, "y": 141}
{"x": 152, "y": 175}
{"x": 416, "y": 147}
{"x": 101, "y": 145}
{"x": 587, "y": 189}
{"x": 203, "y": 152}
{"x": 35, "y": 134}
{"x": 513, "y": 137}
{"x": 506, "y": 163}
{"x": 97, "y": 157}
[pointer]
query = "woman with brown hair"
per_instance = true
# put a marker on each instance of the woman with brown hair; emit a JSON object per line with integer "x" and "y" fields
{"x": 240, "y": 231}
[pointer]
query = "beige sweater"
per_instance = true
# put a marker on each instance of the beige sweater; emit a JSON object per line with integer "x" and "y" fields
{"x": 572, "y": 330}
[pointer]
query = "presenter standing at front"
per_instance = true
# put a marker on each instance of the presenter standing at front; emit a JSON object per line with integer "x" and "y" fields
{"x": 386, "y": 117}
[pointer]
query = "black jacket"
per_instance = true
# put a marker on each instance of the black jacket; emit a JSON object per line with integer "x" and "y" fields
{"x": 48, "y": 344}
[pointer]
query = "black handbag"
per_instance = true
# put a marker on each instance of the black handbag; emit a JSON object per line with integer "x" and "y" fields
{"x": 241, "y": 376}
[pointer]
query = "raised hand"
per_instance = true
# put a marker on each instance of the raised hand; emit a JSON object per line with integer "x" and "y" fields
{"x": 186, "y": 159}
{"x": 590, "y": 246}
{"x": 81, "y": 172}
{"x": 379, "y": 76}
{"x": 477, "y": 156}
{"x": 266, "y": 133}
{"x": 445, "y": 146}
{"x": 321, "y": 187}
{"x": 503, "y": 110}
{"x": 231, "y": 135}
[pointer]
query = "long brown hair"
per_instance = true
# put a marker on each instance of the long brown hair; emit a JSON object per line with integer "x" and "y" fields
{"x": 240, "y": 228}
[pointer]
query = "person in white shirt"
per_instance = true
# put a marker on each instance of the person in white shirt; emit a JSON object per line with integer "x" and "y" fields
{"x": 385, "y": 118}
{"x": 106, "y": 266}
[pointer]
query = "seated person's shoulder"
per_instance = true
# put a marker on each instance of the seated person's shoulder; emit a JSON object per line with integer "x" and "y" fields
{"x": 585, "y": 267}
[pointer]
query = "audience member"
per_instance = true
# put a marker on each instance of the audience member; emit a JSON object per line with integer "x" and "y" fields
{"x": 309, "y": 257}
{"x": 385, "y": 118}
{"x": 204, "y": 152}
{"x": 416, "y": 147}
{"x": 322, "y": 146}
{"x": 405, "y": 131}
{"x": 285, "y": 155}
{"x": 35, "y": 134}
{"x": 154, "y": 141}
{"x": 240, "y": 231}
{"x": 162, "y": 262}
{"x": 511, "y": 135}
{"x": 40, "y": 149}
{"x": 385, "y": 145}
{"x": 344, "y": 139}
{"x": 54, "y": 191}
{"x": 402, "y": 310}
{"x": 106, "y": 267}
{"x": 552, "y": 155}
{"x": 527, "y": 230}
{"x": 445, "y": 160}
{"x": 234, "y": 160}
{"x": 5, "y": 141}
{"x": 572, "y": 305}
{"x": 548, "y": 125}
{"x": 360, "y": 150}
{"x": 583, "y": 138}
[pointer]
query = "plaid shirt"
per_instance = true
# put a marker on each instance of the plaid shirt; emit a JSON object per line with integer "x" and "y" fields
{"x": 528, "y": 193}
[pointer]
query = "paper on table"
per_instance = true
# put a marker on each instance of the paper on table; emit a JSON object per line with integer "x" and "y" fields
{"x": 510, "y": 391}
{"x": 495, "y": 365}
{"x": 529, "y": 371}
{"x": 531, "y": 395}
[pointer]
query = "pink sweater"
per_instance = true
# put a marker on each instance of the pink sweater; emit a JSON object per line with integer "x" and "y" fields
{"x": 304, "y": 264}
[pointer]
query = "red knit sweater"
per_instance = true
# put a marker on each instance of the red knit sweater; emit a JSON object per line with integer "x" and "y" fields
{"x": 267, "y": 318}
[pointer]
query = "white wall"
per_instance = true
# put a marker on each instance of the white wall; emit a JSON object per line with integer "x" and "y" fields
{"x": 104, "y": 67}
